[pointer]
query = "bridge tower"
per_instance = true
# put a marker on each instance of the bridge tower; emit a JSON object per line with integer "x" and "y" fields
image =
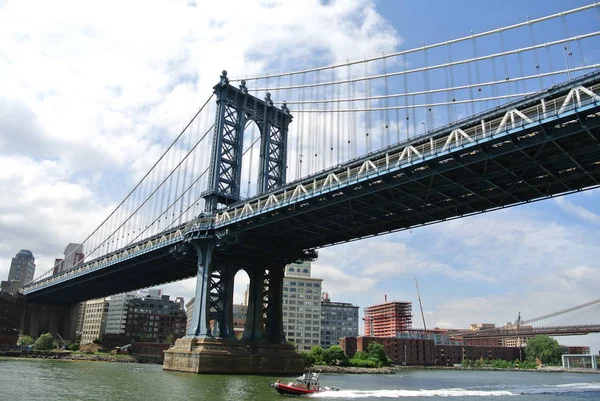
{"x": 210, "y": 345}
{"x": 235, "y": 108}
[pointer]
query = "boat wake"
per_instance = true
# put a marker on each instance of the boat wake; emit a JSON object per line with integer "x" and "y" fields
{"x": 460, "y": 392}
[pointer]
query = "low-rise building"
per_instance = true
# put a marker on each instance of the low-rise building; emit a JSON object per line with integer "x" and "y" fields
{"x": 11, "y": 311}
{"x": 439, "y": 336}
{"x": 155, "y": 319}
{"x": 575, "y": 349}
{"x": 423, "y": 352}
{"x": 239, "y": 319}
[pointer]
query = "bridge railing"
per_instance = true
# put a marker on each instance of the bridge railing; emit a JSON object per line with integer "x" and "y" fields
{"x": 509, "y": 118}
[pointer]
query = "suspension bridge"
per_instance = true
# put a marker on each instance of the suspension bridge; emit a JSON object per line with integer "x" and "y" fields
{"x": 577, "y": 320}
{"x": 343, "y": 152}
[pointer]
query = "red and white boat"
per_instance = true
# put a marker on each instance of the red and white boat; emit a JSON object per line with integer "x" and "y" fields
{"x": 308, "y": 383}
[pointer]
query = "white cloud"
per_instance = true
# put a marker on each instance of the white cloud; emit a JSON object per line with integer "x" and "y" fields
{"x": 93, "y": 92}
{"x": 578, "y": 211}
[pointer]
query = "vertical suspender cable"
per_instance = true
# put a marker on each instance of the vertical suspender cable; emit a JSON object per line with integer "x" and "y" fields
{"x": 350, "y": 104}
{"x": 321, "y": 128}
{"x": 353, "y": 140}
{"x": 567, "y": 47}
{"x": 451, "y": 74}
{"x": 428, "y": 95}
{"x": 470, "y": 78}
{"x": 332, "y": 90}
{"x": 522, "y": 74}
{"x": 177, "y": 204}
{"x": 301, "y": 131}
{"x": 254, "y": 130}
{"x": 195, "y": 158}
{"x": 385, "y": 121}
{"x": 414, "y": 115}
{"x": 448, "y": 92}
{"x": 477, "y": 71}
{"x": 397, "y": 120}
{"x": 171, "y": 161}
{"x": 495, "y": 77}
{"x": 183, "y": 204}
{"x": 367, "y": 108}
{"x": 506, "y": 73}
{"x": 550, "y": 64}
{"x": 313, "y": 124}
{"x": 405, "y": 77}
{"x": 294, "y": 153}
{"x": 535, "y": 54}
{"x": 339, "y": 119}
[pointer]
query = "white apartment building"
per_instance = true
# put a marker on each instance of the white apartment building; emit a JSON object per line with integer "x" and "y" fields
{"x": 117, "y": 313}
{"x": 94, "y": 320}
{"x": 301, "y": 306}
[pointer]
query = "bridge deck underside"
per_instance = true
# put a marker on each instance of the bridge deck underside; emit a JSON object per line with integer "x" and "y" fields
{"x": 144, "y": 271}
{"x": 558, "y": 157}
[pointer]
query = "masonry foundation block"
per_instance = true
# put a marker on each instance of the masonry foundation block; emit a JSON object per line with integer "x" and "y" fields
{"x": 197, "y": 355}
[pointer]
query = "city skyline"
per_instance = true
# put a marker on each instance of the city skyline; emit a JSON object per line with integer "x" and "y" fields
{"x": 536, "y": 259}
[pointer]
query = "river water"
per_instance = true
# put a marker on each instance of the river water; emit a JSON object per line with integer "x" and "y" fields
{"x": 34, "y": 379}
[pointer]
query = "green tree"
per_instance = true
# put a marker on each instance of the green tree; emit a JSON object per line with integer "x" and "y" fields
{"x": 44, "y": 342}
{"x": 25, "y": 341}
{"x": 317, "y": 353}
{"x": 335, "y": 355}
{"x": 170, "y": 339}
{"x": 544, "y": 348}
{"x": 376, "y": 351}
{"x": 309, "y": 360}
{"x": 360, "y": 355}
{"x": 73, "y": 347}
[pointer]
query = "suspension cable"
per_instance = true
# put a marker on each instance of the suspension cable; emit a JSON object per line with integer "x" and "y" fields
{"x": 547, "y": 45}
{"x": 432, "y": 46}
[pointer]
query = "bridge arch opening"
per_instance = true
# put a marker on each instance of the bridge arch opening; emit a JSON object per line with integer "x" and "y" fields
{"x": 241, "y": 288}
{"x": 250, "y": 160}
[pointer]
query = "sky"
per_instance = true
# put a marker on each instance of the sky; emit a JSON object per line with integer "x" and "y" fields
{"x": 91, "y": 93}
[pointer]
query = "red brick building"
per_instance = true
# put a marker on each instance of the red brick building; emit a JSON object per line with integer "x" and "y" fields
{"x": 424, "y": 352}
{"x": 399, "y": 350}
{"x": 11, "y": 311}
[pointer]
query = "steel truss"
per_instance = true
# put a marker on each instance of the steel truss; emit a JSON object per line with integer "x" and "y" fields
{"x": 235, "y": 107}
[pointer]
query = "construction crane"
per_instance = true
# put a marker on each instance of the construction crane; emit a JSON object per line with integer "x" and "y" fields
{"x": 421, "y": 305}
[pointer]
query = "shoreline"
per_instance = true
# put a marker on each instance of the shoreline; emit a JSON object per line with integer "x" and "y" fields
{"x": 389, "y": 370}
{"x": 397, "y": 368}
{"x": 68, "y": 356}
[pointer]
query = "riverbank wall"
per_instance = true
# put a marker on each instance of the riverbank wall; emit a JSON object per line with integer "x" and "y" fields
{"x": 68, "y": 356}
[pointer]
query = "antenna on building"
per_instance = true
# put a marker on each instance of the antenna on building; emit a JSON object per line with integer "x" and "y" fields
{"x": 421, "y": 306}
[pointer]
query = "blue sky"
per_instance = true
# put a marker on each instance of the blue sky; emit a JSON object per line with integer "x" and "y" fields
{"x": 91, "y": 98}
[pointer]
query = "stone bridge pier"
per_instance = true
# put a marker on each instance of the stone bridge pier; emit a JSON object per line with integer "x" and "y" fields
{"x": 58, "y": 320}
{"x": 210, "y": 345}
